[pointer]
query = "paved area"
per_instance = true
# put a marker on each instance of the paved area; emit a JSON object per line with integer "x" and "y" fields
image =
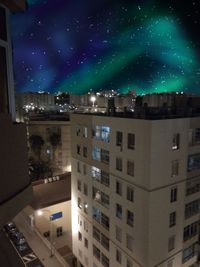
{"x": 36, "y": 243}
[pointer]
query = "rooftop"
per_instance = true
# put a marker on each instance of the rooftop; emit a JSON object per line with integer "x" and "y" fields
{"x": 48, "y": 194}
{"x": 151, "y": 113}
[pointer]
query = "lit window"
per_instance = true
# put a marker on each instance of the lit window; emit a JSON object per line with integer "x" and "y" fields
{"x": 79, "y": 203}
{"x": 85, "y": 132}
{"x": 176, "y": 141}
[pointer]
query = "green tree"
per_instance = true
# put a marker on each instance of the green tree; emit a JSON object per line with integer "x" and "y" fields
{"x": 36, "y": 144}
{"x": 54, "y": 139}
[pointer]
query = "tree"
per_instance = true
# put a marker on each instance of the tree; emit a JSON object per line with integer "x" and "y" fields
{"x": 54, "y": 139}
{"x": 36, "y": 143}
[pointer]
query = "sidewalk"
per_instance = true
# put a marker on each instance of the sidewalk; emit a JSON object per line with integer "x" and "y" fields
{"x": 35, "y": 242}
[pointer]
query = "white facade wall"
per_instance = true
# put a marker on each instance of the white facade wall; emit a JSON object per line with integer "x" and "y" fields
{"x": 152, "y": 183}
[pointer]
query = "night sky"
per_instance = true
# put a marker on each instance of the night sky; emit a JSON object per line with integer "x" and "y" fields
{"x": 77, "y": 45}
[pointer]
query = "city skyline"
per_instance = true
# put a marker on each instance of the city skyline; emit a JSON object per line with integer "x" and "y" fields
{"x": 75, "y": 46}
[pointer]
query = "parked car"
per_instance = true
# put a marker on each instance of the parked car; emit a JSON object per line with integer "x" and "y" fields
{"x": 18, "y": 238}
{"x": 23, "y": 246}
{"x": 10, "y": 227}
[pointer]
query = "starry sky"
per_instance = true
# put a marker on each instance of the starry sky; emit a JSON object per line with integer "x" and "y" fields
{"x": 80, "y": 45}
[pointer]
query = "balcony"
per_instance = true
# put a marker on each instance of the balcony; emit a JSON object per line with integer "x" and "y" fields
{"x": 15, "y": 186}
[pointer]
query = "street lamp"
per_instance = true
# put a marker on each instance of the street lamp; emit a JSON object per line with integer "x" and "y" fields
{"x": 40, "y": 213}
{"x": 93, "y": 99}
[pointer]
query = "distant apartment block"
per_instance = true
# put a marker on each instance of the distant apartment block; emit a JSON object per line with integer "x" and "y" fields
{"x": 135, "y": 191}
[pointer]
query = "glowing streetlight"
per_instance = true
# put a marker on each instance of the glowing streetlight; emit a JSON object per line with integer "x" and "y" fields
{"x": 40, "y": 213}
{"x": 93, "y": 99}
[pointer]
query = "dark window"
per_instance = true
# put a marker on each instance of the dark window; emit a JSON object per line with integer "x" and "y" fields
{"x": 131, "y": 141}
{"x": 3, "y": 29}
{"x": 130, "y": 194}
{"x": 130, "y": 168}
{"x": 118, "y": 188}
{"x": 172, "y": 219}
{"x": 59, "y": 231}
{"x": 130, "y": 218}
{"x": 176, "y": 141}
{"x": 119, "y": 211}
{"x": 3, "y": 81}
{"x": 173, "y": 195}
{"x": 119, "y": 138}
{"x": 119, "y": 164}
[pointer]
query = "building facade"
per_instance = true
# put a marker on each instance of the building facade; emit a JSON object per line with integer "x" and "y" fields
{"x": 135, "y": 191}
{"x": 15, "y": 186}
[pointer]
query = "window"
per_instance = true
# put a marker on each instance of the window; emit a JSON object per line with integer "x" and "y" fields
{"x": 79, "y": 185}
{"x": 104, "y": 221}
{"x": 193, "y": 186}
{"x": 85, "y": 151}
{"x": 131, "y": 141}
{"x": 192, "y": 208}
{"x": 96, "y": 252}
{"x": 85, "y": 189}
{"x": 173, "y": 195}
{"x": 170, "y": 263}
{"x": 105, "y": 156}
{"x": 193, "y": 162}
{"x": 78, "y": 149}
{"x": 100, "y": 176}
{"x": 79, "y": 203}
{"x": 118, "y": 256}
{"x": 129, "y": 242}
{"x": 129, "y": 263}
{"x": 171, "y": 243}
{"x": 172, "y": 219}
{"x": 176, "y": 141}
{"x": 194, "y": 136}
{"x": 85, "y": 132}
{"x": 3, "y": 29}
{"x": 119, "y": 164}
{"x": 118, "y": 211}
{"x": 79, "y": 236}
{"x": 59, "y": 231}
{"x": 96, "y": 233}
{"x": 188, "y": 253}
{"x": 102, "y": 133}
{"x": 130, "y": 168}
{"x": 190, "y": 231}
{"x": 96, "y": 153}
{"x": 130, "y": 218}
{"x": 84, "y": 169}
{"x": 119, "y": 138}
{"x": 104, "y": 241}
{"x": 118, "y": 233}
{"x": 118, "y": 188}
{"x": 104, "y": 260}
{"x": 175, "y": 167}
{"x": 86, "y": 226}
{"x": 86, "y": 242}
{"x": 78, "y": 167}
{"x": 130, "y": 194}
{"x": 96, "y": 214}
{"x": 86, "y": 207}
{"x": 101, "y": 197}
{"x": 4, "y": 105}
{"x": 86, "y": 261}
{"x": 78, "y": 131}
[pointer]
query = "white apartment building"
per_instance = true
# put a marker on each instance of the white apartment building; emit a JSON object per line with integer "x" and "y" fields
{"x": 135, "y": 191}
